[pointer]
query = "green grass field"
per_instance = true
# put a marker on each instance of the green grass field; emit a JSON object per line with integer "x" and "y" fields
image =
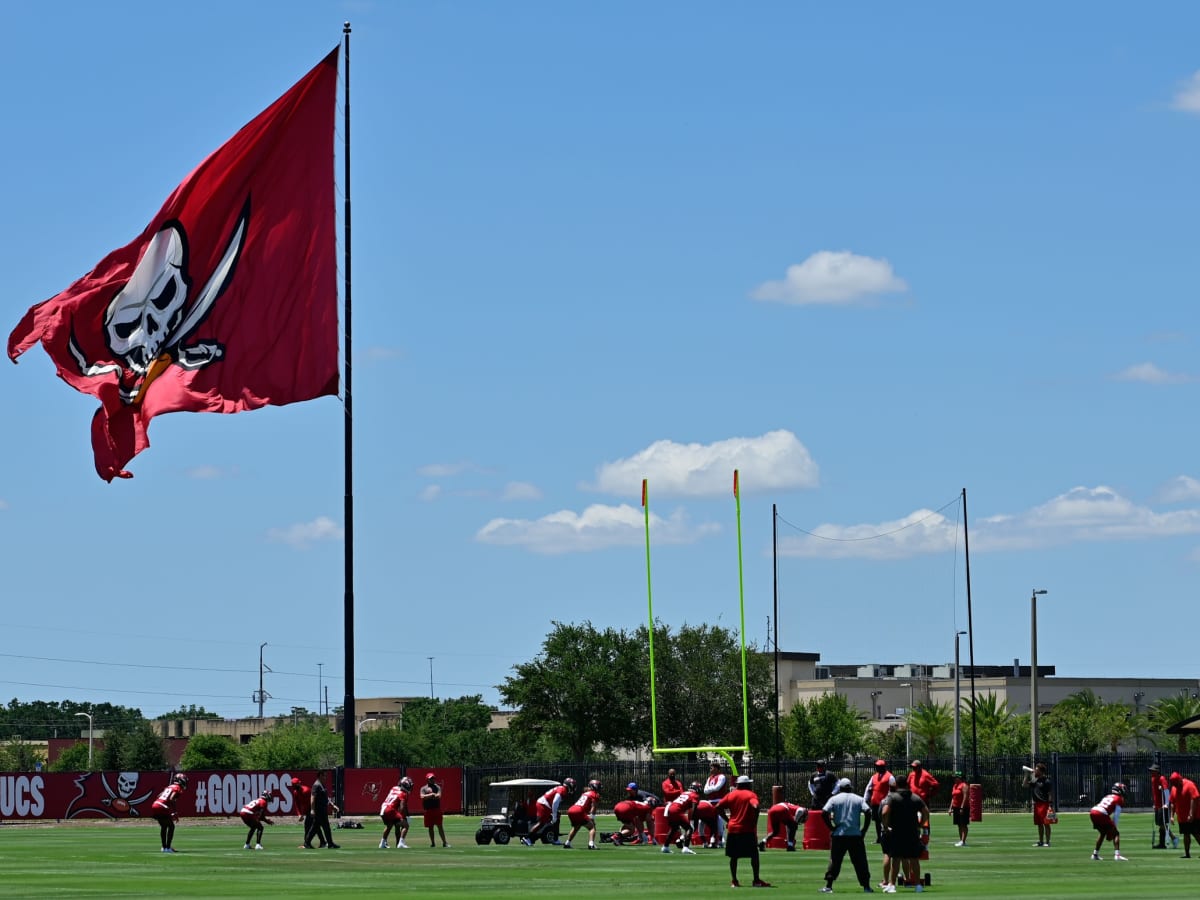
{"x": 106, "y": 860}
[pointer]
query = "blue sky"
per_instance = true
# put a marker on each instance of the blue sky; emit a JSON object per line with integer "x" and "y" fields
{"x": 869, "y": 255}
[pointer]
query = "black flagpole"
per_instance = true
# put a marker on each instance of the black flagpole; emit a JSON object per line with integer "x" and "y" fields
{"x": 775, "y": 571}
{"x": 971, "y": 643}
{"x": 348, "y": 715}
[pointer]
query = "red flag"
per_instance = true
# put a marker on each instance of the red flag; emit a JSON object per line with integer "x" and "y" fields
{"x": 227, "y": 301}
{"x": 735, "y": 484}
{"x": 643, "y": 492}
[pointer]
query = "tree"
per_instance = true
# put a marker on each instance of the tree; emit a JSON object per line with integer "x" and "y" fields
{"x": 211, "y": 751}
{"x": 1170, "y": 711}
{"x": 41, "y": 720}
{"x": 1000, "y": 730}
{"x": 887, "y": 744}
{"x": 19, "y": 756}
{"x": 698, "y": 689}
{"x": 305, "y": 744}
{"x": 440, "y": 732}
{"x": 1083, "y": 723}
{"x": 826, "y": 726}
{"x": 932, "y": 724}
{"x": 579, "y": 691}
{"x": 132, "y": 749}
{"x": 72, "y": 759}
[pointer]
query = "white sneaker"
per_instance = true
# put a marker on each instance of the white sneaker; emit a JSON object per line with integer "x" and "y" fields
{"x": 1096, "y": 856}
{"x": 687, "y": 849}
{"x": 246, "y": 847}
{"x": 400, "y": 844}
{"x": 666, "y": 849}
{"x": 890, "y": 889}
{"x": 960, "y": 843}
{"x": 383, "y": 845}
{"x": 258, "y": 846}
{"x": 1118, "y": 856}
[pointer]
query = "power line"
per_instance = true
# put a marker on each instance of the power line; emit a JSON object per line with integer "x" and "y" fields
{"x": 869, "y": 537}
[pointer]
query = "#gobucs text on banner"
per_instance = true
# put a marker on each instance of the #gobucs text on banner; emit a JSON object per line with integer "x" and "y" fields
{"x": 227, "y": 301}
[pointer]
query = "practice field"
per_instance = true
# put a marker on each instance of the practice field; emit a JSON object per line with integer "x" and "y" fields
{"x": 106, "y": 860}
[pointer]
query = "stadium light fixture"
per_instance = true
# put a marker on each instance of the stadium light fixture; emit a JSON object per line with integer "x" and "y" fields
{"x": 89, "y": 718}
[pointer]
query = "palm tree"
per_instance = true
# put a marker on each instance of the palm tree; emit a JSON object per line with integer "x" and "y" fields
{"x": 1169, "y": 711}
{"x": 933, "y": 723}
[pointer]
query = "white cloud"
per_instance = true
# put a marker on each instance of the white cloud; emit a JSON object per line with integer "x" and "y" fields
{"x": 430, "y": 492}
{"x": 521, "y": 490}
{"x": 302, "y": 535}
{"x": 774, "y": 461}
{"x": 446, "y": 470}
{"x": 833, "y": 278}
{"x": 917, "y": 533}
{"x": 1149, "y": 373}
{"x": 1180, "y": 489}
{"x": 380, "y": 354}
{"x": 1187, "y": 98}
{"x": 597, "y": 528}
{"x": 1080, "y": 515}
{"x": 209, "y": 472}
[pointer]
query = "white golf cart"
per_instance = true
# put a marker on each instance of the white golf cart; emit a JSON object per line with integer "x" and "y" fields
{"x": 510, "y": 811}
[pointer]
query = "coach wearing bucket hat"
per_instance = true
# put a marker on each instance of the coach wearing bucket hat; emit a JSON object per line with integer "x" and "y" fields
{"x": 741, "y": 835}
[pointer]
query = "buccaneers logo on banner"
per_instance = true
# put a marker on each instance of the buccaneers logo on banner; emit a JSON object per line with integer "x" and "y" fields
{"x": 227, "y": 301}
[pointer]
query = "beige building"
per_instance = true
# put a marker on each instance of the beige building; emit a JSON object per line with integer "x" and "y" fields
{"x": 884, "y": 691}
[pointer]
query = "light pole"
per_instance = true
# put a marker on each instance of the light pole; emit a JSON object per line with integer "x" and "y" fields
{"x": 358, "y": 754}
{"x": 1033, "y": 675}
{"x": 957, "y": 699}
{"x": 874, "y": 713}
{"x": 89, "y": 718}
{"x": 261, "y": 698}
{"x": 908, "y": 721}
{"x": 430, "y": 658}
{"x": 320, "y": 671}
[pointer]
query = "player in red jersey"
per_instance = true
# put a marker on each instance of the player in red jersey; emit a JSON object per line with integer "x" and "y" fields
{"x": 1185, "y": 801}
{"x": 960, "y": 808}
{"x": 547, "y": 807}
{"x": 394, "y": 811}
{"x": 1105, "y": 815}
{"x": 254, "y": 815}
{"x": 164, "y": 812}
{"x": 784, "y": 817}
{"x": 679, "y": 819}
{"x": 632, "y": 813}
{"x": 582, "y": 814}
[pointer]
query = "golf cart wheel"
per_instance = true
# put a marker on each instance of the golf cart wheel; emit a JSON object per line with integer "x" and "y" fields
{"x": 502, "y": 836}
{"x": 481, "y": 837}
{"x": 550, "y": 837}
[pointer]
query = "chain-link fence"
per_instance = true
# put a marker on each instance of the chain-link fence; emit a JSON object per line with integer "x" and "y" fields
{"x": 1079, "y": 780}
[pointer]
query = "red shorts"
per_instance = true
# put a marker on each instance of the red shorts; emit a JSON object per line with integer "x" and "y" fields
{"x": 251, "y": 821}
{"x": 544, "y": 813}
{"x": 1039, "y": 813}
{"x": 677, "y": 817}
{"x": 393, "y": 817}
{"x": 1103, "y": 823}
{"x": 433, "y": 818}
{"x": 626, "y": 812}
{"x": 706, "y": 812}
{"x": 578, "y": 817}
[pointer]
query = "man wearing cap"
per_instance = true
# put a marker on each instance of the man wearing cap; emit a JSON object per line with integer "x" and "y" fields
{"x": 431, "y": 806}
{"x": 1042, "y": 791}
{"x": 1185, "y": 801}
{"x": 1160, "y": 793}
{"x": 302, "y": 798}
{"x": 632, "y": 813}
{"x": 878, "y": 787}
{"x": 321, "y": 806}
{"x": 741, "y": 840}
{"x": 821, "y": 785}
{"x": 842, "y": 814}
{"x": 960, "y": 810}
{"x": 921, "y": 781}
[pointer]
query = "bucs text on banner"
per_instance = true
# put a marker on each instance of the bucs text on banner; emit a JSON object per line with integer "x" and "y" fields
{"x": 227, "y": 301}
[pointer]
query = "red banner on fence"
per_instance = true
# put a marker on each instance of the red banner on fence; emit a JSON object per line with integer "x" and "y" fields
{"x": 128, "y": 795}
{"x": 364, "y": 789}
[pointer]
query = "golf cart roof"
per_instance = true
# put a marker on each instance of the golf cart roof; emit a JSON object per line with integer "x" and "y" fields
{"x": 525, "y": 782}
